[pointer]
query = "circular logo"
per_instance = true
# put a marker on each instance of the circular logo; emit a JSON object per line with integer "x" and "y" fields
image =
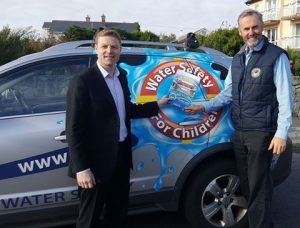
{"x": 172, "y": 121}
{"x": 255, "y": 72}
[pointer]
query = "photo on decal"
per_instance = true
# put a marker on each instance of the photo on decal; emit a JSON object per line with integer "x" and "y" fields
{"x": 183, "y": 89}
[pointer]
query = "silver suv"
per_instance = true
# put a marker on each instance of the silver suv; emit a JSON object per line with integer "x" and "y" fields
{"x": 181, "y": 162}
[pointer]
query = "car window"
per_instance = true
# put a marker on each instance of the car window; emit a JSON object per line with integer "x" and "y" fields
{"x": 39, "y": 88}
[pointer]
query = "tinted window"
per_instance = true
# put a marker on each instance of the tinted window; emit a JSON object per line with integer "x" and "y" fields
{"x": 39, "y": 88}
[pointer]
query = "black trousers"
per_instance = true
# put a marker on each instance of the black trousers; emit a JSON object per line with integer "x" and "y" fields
{"x": 105, "y": 205}
{"x": 253, "y": 164}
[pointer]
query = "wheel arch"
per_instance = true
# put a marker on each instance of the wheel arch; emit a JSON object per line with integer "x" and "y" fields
{"x": 199, "y": 161}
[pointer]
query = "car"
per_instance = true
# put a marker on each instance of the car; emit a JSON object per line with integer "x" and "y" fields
{"x": 181, "y": 162}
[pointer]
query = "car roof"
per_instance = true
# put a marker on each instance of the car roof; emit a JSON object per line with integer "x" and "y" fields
{"x": 85, "y": 47}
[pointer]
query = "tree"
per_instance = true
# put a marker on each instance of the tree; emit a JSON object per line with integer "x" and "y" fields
{"x": 124, "y": 34}
{"x": 137, "y": 26}
{"x": 167, "y": 38}
{"x": 233, "y": 43}
{"x": 78, "y": 33}
{"x": 201, "y": 39}
{"x": 146, "y": 36}
{"x": 294, "y": 57}
{"x": 41, "y": 43}
{"x": 14, "y": 43}
{"x": 224, "y": 40}
{"x": 137, "y": 35}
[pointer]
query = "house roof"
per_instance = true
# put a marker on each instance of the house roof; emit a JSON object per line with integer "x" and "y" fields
{"x": 249, "y": 2}
{"x": 60, "y": 26}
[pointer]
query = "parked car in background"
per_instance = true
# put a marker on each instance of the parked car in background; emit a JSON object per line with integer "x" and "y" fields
{"x": 181, "y": 162}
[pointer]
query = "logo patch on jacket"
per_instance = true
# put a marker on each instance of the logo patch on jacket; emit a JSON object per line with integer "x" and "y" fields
{"x": 255, "y": 72}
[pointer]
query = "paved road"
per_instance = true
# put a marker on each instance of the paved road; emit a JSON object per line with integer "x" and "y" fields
{"x": 286, "y": 205}
{"x": 286, "y": 200}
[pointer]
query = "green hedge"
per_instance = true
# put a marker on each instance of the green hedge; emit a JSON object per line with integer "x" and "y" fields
{"x": 295, "y": 61}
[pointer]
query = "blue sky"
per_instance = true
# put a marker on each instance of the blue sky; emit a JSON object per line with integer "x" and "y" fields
{"x": 158, "y": 16}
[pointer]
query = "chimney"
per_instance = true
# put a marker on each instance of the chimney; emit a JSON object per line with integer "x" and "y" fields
{"x": 87, "y": 18}
{"x": 103, "y": 19}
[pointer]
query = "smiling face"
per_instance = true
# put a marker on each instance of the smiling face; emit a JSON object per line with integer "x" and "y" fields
{"x": 250, "y": 29}
{"x": 108, "y": 49}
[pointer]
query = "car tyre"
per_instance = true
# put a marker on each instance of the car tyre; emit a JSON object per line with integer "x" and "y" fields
{"x": 213, "y": 198}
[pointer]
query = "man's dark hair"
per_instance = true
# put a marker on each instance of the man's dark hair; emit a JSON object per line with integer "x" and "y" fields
{"x": 108, "y": 32}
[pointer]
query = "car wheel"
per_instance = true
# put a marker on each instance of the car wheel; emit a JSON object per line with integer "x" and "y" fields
{"x": 213, "y": 198}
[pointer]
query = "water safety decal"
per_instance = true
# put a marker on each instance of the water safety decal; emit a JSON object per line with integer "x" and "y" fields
{"x": 173, "y": 134}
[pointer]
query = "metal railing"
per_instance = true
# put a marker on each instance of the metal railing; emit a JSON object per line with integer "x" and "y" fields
{"x": 271, "y": 14}
{"x": 291, "y": 9}
{"x": 291, "y": 42}
{"x": 125, "y": 43}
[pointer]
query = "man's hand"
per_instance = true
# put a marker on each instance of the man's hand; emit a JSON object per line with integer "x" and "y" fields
{"x": 194, "y": 109}
{"x": 86, "y": 179}
{"x": 163, "y": 102}
{"x": 278, "y": 145}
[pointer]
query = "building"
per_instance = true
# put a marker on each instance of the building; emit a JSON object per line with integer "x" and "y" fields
{"x": 281, "y": 20}
{"x": 202, "y": 31}
{"x": 58, "y": 27}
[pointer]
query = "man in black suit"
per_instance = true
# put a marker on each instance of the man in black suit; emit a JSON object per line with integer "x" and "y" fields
{"x": 98, "y": 132}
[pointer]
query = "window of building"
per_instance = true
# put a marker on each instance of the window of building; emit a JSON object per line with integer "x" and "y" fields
{"x": 271, "y": 4}
{"x": 297, "y": 36}
{"x": 272, "y": 35}
{"x": 271, "y": 10}
{"x": 298, "y": 6}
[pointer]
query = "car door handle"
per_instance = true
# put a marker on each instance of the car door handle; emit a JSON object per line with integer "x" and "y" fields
{"x": 62, "y": 137}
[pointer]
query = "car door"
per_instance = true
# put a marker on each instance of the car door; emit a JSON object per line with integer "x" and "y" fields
{"x": 33, "y": 152}
{"x": 165, "y": 143}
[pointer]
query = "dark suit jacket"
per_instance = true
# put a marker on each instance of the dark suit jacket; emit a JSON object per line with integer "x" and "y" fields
{"x": 92, "y": 123}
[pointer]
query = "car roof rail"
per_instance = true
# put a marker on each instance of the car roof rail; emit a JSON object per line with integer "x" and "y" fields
{"x": 71, "y": 45}
{"x": 153, "y": 44}
{"x": 125, "y": 43}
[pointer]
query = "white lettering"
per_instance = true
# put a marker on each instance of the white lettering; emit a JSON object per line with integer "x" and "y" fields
{"x": 26, "y": 167}
{"x": 43, "y": 162}
{"x": 152, "y": 85}
{"x": 212, "y": 118}
{"x": 185, "y": 133}
{"x": 176, "y": 135}
{"x": 182, "y": 66}
{"x": 60, "y": 159}
{"x": 158, "y": 78}
{"x": 208, "y": 83}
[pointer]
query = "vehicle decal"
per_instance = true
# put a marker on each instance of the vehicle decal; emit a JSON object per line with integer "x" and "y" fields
{"x": 180, "y": 126}
{"x": 35, "y": 164}
{"x": 60, "y": 122}
{"x": 173, "y": 133}
{"x": 38, "y": 198}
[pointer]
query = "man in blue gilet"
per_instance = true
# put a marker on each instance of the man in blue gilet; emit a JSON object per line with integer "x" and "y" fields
{"x": 258, "y": 86}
